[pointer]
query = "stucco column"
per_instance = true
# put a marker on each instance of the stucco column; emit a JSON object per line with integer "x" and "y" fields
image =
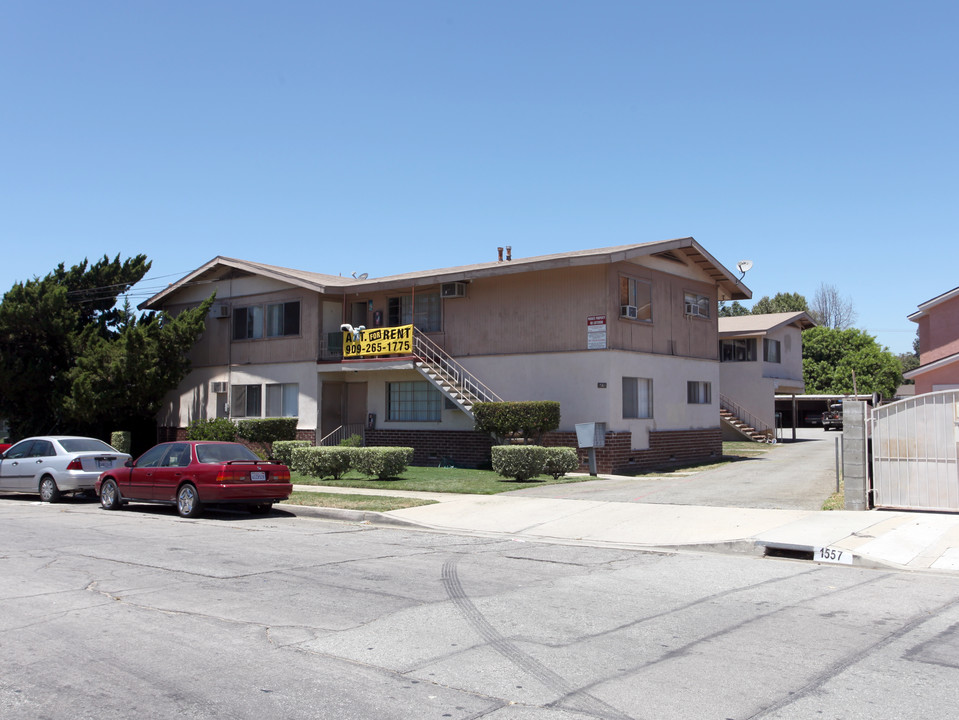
{"x": 855, "y": 455}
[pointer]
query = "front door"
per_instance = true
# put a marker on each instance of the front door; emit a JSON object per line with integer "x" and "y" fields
{"x": 16, "y": 467}
{"x": 138, "y": 483}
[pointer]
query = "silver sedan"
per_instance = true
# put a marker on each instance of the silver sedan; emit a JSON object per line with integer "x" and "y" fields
{"x": 56, "y": 464}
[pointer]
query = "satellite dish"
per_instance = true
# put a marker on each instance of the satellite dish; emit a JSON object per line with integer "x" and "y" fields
{"x": 744, "y": 266}
{"x": 363, "y": 276}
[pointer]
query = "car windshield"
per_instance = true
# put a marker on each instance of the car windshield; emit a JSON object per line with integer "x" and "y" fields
{"x": 223, "y": 452}
{"x": 85, "y": 445}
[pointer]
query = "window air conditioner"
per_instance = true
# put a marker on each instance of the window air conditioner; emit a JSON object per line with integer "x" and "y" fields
{"x": 453, "y": 290}
{"x": 218, "y": 386}
{"x": 221, "y": 311}
{"x": 628, "y": 311}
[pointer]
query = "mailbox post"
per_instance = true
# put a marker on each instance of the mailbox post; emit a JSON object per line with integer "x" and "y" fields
{"x": 590, "y": 436}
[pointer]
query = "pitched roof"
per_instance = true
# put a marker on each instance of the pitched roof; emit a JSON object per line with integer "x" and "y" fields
{"x": 752, "y": 325}
{"x": 939, "y": 299}
{"x": 683, "y": 250}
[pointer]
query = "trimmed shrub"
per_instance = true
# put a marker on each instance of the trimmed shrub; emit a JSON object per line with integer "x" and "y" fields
{"x": 381, "y": 462}
{"x": 321, "y": 462}
{"x": 267, "y": 430}
{"x": 520, "y": 462}
{"x": 283, "y": 449}
{"x": 120, "y": 439}
{"x": 352, "y": 441}
{"x": 528, "y": 420}
{"x": 559, "y": 461}
{"x": 221, "y": 429}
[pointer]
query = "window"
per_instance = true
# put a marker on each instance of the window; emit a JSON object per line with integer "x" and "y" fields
{"x": 248, "y": 322}
{"x": 637, "y": 397}
{"x": 282, "y": 400}
{"x": 697, "y": 304}
{"x": 699, "y": 392}
{"x": 413, "y": 401}
{"x": 245, "y": 401}
{"x": 283, "y": 319}
{"x": 737, "y": 350}
{"x": 278, "y": 320}
{"x": 153, "y": 456}
{"x": 772, "y": 351}
{"x": 423, "y": 311}
{"x": 636, "y": 293}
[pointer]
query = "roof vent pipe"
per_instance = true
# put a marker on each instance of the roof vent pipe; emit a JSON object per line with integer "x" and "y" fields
{"x": 509, "y": 252}
{"x": 499, "y": 253}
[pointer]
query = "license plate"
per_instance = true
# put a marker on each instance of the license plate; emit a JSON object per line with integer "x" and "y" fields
{"x": 258, "y": 476}
{"x": 104, "y": 464}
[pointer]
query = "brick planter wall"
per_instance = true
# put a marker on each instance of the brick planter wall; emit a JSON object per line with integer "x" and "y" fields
{"x": 464, "y": 447}
{"x": 666, "y": 447}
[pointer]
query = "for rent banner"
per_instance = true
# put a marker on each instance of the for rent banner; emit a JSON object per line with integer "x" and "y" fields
{"x": 379, "y": 341}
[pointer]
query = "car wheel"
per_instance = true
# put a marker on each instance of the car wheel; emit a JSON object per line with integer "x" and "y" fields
{"x": 49, "y": 492}
{"x": 188, "y": 502}
{"x": 110, "y": 495}
{"x": 261, "y": 509}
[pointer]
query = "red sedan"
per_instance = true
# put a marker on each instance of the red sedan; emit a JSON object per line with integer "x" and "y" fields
{"x": 192, "y": 474}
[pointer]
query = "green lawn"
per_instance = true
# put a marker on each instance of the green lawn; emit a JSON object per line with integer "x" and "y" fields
{"x": 373, "y": 503}
{"x": 431, "y": 479}
{"x": 487, "y": 482}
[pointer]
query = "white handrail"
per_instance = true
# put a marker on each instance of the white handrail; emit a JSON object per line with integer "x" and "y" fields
{"x": 440, "y": 361}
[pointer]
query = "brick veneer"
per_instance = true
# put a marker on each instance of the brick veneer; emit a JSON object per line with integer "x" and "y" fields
{"x": 464, "y": 447}
{"x": 666, "y": 447}
{"x": 472, "y": 449}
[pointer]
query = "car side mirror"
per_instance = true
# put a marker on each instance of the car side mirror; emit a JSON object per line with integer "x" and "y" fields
{"x": 128, "y": 463}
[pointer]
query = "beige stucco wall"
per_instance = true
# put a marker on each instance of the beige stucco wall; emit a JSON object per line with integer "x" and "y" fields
{"x": 193, "y": 400}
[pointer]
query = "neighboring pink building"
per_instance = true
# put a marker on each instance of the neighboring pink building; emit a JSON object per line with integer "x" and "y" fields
{"x": 938, "y": 321}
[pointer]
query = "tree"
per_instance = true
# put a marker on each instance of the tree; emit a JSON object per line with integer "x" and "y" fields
{"x": 910, "y": 361}
{"x": 830, "y": 310}
{"x": 831, "y": 356}
{"x": 782, "y": 302}
{"x": 72, "y": 361}
{"x": 734, "y": 310}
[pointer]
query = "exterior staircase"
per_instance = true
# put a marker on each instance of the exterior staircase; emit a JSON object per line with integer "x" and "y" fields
{"x": 744, "y": 423}
{"x": 453, "y": 380}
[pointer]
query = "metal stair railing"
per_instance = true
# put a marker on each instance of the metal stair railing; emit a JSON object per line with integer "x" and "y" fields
{"x": 343, "y": 432}
{"x": 462, "y": 387}
{"x": 746, "y": 417}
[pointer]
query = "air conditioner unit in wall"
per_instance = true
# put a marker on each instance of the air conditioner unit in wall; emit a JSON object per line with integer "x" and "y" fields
{"x": 218, "y": 386}
{"x": 453, "y": 290}
{"x": 221, "y": 311}
{"x": 628, "y": 311}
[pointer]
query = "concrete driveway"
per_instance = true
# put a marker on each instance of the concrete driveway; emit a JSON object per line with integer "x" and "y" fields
{"x": 796, "y": 475}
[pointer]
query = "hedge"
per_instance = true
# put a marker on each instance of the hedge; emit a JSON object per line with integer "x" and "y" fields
{"x": 528, "y": 419}
{"x": 321, "y": 462}
{"x": 520, "y": 462}
{"x": 381, "y": 462}
{"x": 221, "y": 429}
{"x": 283, "y": 449}
{"x": 559, "y": 461}
{"x": 267, "y": 430}
{"x": 120, "y": 440}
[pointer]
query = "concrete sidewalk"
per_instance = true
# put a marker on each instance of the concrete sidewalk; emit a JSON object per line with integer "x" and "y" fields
{"x": 905, "y": 540}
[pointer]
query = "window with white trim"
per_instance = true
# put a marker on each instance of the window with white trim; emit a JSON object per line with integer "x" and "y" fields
{"x": 635, "y": 293}
{"x": 414, "y": 401}
{"x": 245, "y": 401}
{"x": 699, "y": 392}
{"x": 282, "y": 400}
{"x": 772, "y": 351}
{"x": 637, "y": 397}
{"x": 696, "y": 304}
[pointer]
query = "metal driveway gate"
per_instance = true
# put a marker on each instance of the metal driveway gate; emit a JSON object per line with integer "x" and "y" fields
{"x": 914, "y": 453}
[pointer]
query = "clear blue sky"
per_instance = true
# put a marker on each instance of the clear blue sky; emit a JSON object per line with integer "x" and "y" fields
{"x": 819, "y": 139}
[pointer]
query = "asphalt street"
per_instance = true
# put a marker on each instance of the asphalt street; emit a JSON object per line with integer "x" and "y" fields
{"x": 139, "y": 613}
